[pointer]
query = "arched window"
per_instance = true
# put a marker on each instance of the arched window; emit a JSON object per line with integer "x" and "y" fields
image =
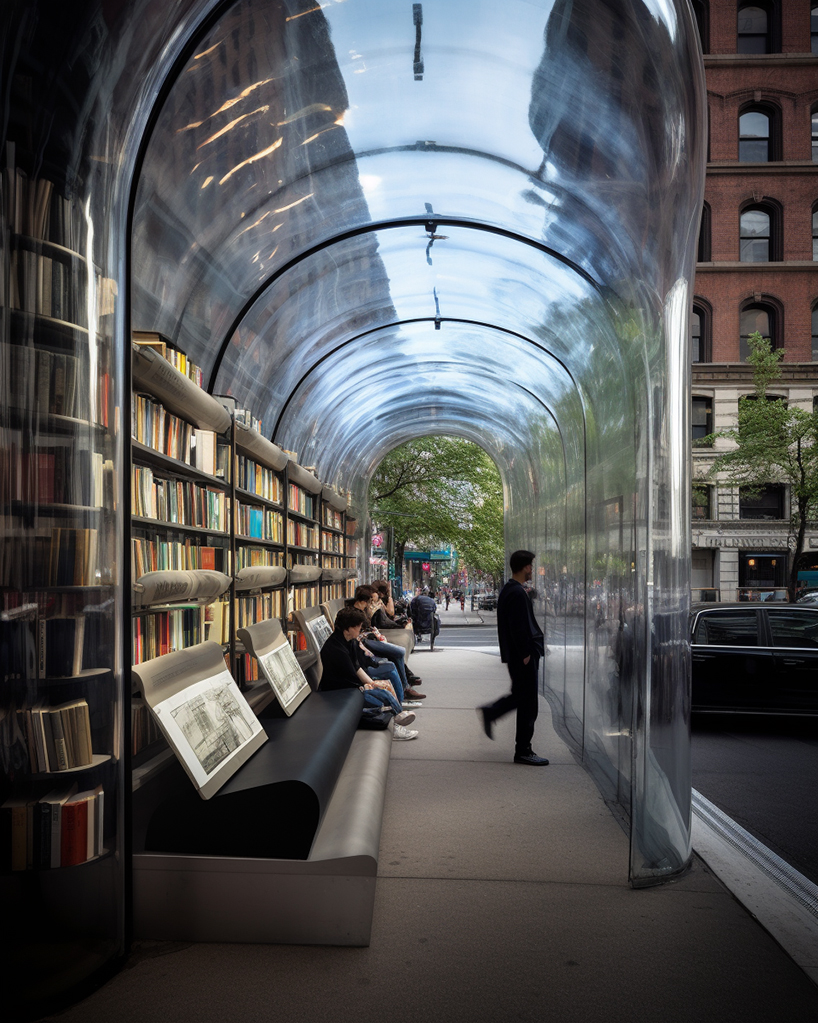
{"x": 813, "y": 30}
{"x": 703, "y": 252}
{"x": 815, "y": 333}
{"x": 700, "y": 332}
{"x": 760, "y": 234}
{"x": 754, "y": 235}
{"x": 761, "y": 317}
{"x": 754, "y": 131}
{"x": 753, "y": 30}
{"x": 701, "y": 11}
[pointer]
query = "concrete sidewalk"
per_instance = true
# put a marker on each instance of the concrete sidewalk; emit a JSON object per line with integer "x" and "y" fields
{"x": 502, "y": 895}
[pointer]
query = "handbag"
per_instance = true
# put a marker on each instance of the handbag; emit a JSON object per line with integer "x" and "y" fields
{"x": 375, "y": 717}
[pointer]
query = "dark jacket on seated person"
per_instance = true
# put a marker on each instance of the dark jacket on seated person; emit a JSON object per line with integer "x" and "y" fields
{"x": 340, "y": 663}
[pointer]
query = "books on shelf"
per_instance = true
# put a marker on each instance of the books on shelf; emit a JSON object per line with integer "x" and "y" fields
{"x": 300, "y": 501}
{"x": 175, "y": 356}
{"x": 183, "y": 555}
{"x": 177, "y": 501}
{"x": 259, "y": 523}
{"x": 274, "y": 655}
{"x": 58, "y": 738}
{"x": 300, "y": 534}
{"x": 257, "y": 557}
{"x": 258, "y": 479}
{"x": 63, "y": 829}
{"x": 332, "y": 518}
{"x": 144, "y": 729}
{"x": 162, "y": 632}
{"x": 332, "y": 542}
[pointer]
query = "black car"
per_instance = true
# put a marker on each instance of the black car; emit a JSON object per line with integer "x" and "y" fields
{"x": 754, "y": 659}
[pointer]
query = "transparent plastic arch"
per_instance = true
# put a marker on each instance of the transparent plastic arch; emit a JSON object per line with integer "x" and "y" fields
{"x": 483, "y": 224}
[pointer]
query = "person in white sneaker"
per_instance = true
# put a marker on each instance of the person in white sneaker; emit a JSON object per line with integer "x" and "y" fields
{"x": 342, "y": 669}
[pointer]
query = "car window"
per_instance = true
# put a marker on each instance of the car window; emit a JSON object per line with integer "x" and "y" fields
{"x": 727, "y": 628}
{"x": 794, "y": 628}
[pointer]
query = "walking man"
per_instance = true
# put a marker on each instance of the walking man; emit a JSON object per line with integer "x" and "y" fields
{"x": 521, "y": 647}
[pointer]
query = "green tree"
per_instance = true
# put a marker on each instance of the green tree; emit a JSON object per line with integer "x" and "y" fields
{"x": 774, "y": 443}
{"x": 438, "y": 491}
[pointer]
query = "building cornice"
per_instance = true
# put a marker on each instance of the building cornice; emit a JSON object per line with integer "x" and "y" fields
{"x": 767, "y": 168}
{"x": 780, "y": 266}
{"x": 732, "y": 60}
{"x": 741, "y": 373}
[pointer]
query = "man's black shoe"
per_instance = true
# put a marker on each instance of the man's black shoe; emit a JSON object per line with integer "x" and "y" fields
{"x": 530, "y": 758}
{"x": 483, "y": 714}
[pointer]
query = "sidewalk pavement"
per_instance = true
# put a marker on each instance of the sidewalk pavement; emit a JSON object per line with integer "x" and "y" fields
{"x": 502, "y": 895}
{"x": 454, "y": 616}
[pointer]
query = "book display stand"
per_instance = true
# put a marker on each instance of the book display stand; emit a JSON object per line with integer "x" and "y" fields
{"x": 257, "y": 803}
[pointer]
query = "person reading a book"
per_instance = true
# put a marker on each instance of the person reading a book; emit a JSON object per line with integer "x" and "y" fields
{"x": 342, "y": 669}
{"x": 375, "y": 645}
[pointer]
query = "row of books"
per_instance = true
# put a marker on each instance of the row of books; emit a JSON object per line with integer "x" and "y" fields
{"x": 47, "y": 287}
{"x": 64, "y": 557}
{"x": 335, "y": 591}
{"x": 154, "y": 426}
{"x": 58, "y": 738}
{"x": 144, "y": 729}
{"x": 333, "y": 542}
{"x": 304, "y": 596}
{"x": 37, "y": 210}
{"x": 261, "y": 523}
{"x": 256, "y": 557}
{"x": 246, "y": 670}
{"x": 178, "y": 501}
{"x": 165, "y": 631}
{"x": 258, "y": 479}
{"x": 62, "y": 829}
{"x": 246, "y": 418}
{"x": 46, "y": 382}
{"x": 53, "y": 475}
{"x": 175, "y": 356}
{"x": 332, "y": 518}
{"x": 260, "y": 607}
{"x": 162, "y": 632}
{"x": 164, "y": 555}
{"x": 299, "y": 534}
{"x": 300, "y": 501}
{"x": 332, "y": 561}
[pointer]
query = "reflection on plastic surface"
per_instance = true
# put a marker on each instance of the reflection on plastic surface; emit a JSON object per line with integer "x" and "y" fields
{"x": 487, "y": 229}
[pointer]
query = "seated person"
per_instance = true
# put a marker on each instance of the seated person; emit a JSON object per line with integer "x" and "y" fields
{"x": 423, "y": 610}
{"x": 381, "y": 587}
{"x": 341, "y": 663}
{"x": 376, "y": 644}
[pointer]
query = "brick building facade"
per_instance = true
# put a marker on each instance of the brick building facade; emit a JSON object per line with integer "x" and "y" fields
{"x": 756, "y": 268}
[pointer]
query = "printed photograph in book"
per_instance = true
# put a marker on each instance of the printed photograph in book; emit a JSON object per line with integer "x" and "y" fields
{"x": 208, "y": 723}
{"x": 284, "y": 673}
{"x": 321, "y": 630}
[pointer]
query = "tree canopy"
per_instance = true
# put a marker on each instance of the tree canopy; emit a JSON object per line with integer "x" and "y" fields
{"x": 440, "y": 491}
{"x": 774, "y": 443}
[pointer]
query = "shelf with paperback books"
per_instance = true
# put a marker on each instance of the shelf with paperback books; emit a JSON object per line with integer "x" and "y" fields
{"x": 60, "y": 609}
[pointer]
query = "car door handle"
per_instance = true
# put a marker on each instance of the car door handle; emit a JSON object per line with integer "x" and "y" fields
{"x": 793, "y": 660}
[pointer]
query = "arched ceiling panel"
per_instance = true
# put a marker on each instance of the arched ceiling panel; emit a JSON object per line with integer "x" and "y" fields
{"x": 294, "y": 123}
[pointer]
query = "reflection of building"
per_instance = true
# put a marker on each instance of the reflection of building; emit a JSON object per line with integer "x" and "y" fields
{"x": 756, "y": 268}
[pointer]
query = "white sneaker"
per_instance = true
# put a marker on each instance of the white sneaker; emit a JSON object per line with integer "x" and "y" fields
{"x": 410, "y": 704}
{"x": 406, "y": 717}
{"x": 404, "y": 734}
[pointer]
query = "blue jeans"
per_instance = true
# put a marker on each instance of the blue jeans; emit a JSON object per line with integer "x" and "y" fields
{"x": 380, "y": 698}
{"x": 392, "y": 652}
{"x": 386, "y": 672}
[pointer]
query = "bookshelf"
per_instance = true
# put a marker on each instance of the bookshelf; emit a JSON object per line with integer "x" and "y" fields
{"x": 303, "y": 545}
{"x": 260, "y": 495}
{"x": 181, "y": 512}
{"x": 61, "y": 807}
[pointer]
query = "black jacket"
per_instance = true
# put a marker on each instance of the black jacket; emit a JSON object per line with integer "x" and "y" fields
{"x": 517, "y": 630}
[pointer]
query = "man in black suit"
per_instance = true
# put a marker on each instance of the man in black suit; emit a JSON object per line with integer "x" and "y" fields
{"x": 521, "y": 647}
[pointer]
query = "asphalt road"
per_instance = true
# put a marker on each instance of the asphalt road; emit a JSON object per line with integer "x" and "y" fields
{"x": 762, "y": 772}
